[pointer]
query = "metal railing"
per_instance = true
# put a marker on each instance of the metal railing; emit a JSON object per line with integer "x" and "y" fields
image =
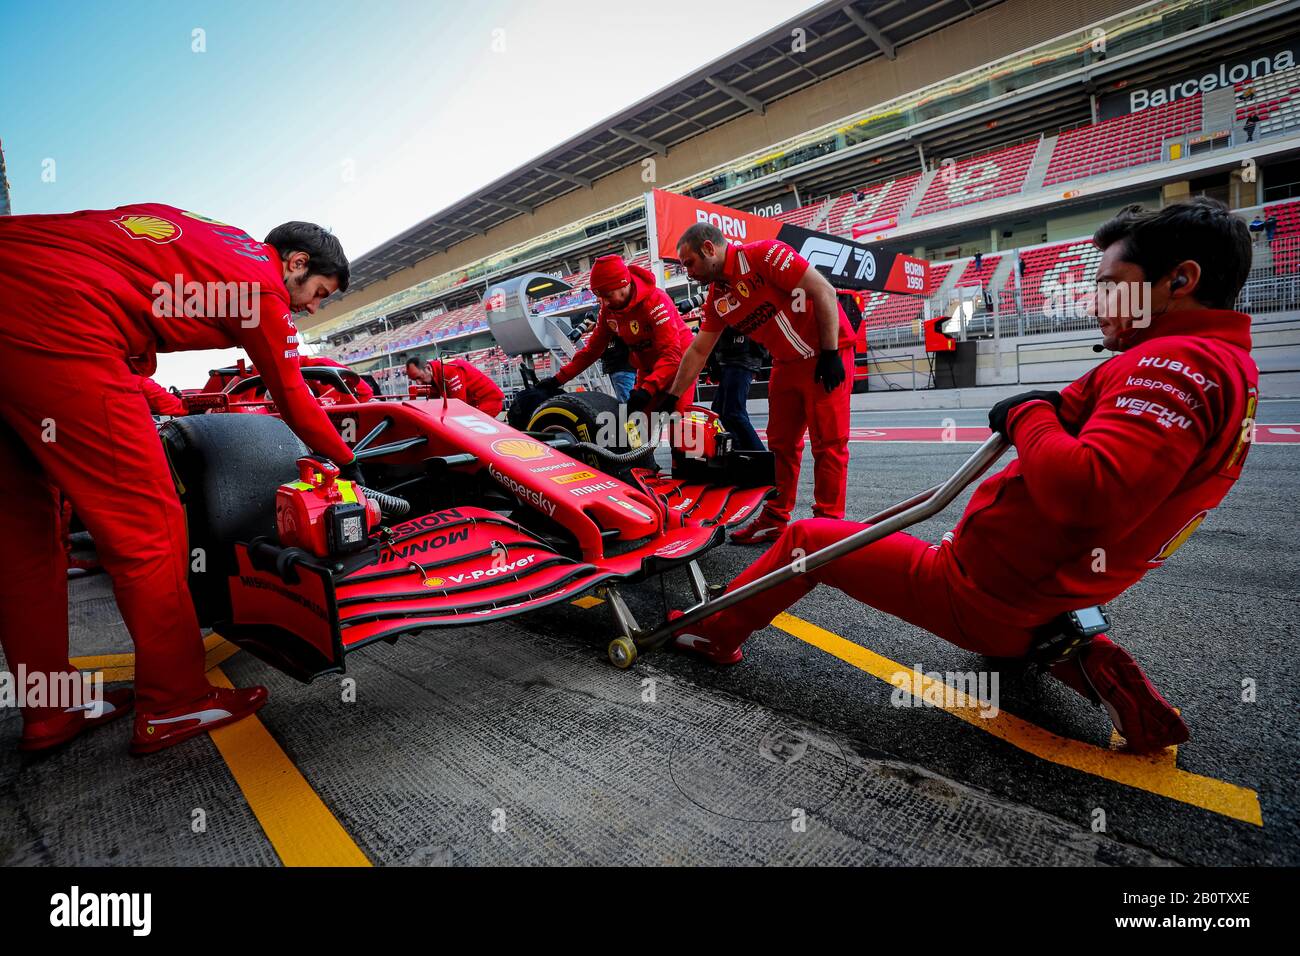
{"x": 1264, "y": 294}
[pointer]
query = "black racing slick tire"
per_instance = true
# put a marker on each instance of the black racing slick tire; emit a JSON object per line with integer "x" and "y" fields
{"x": 598, "y": 419}
{"x": 226, "y": 469}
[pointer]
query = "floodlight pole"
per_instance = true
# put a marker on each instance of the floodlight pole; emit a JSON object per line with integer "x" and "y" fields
{"x": 652, "y": 236}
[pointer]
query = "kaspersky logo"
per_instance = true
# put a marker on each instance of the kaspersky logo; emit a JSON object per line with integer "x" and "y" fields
{"x": 154, "y": 228}
{"x": 520, "y": 449}
{"x": 523, "y": 492}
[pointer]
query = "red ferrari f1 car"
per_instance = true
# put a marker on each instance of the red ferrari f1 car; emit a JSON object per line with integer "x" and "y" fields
{"x": 463, "y": 518}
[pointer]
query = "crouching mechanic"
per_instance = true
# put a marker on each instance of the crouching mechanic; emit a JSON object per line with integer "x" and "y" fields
{"x": 457, "y": 378}
{"x": 635, "y": 310}
{"x": 767, "y": 291}
{"x": 90, "y": 297}
{"x": 1113, "y": 474}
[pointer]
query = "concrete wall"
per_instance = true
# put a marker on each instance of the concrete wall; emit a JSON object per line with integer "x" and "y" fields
{"x": 1005, "y": 29}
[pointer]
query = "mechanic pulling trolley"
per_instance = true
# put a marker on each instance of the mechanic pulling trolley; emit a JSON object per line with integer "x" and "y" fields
{"x": 1113, "y": 475}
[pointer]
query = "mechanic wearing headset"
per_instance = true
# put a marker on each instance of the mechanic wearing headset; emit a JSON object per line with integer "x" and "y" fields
{"x": 457, "y": 378}
{"x": 1112, "y": 475}
{"x": 635, "y": 310}
{"x": 90, "y": 297}
{"x": 766, "y": 290}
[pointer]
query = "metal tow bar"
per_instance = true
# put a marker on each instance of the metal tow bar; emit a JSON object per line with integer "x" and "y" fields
{"x": 623, "y": 650}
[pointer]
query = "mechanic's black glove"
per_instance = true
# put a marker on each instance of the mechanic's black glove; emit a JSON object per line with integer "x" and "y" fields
{"x": 664, "y": 402}
{"x": 830, "y": 369}
{"x": 638, "y": 401}
{"x": 998, "y": 413}
{"x": 352, "y": 472}
{"x": 550, "y": 386}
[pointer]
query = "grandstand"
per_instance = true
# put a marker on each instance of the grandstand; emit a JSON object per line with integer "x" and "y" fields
{"x": 1014, "y": 160}
{"x": 1125, "y": 141}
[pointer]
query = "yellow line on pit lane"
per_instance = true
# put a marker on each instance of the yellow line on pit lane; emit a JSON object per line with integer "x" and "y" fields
{"x": 1155, "y": 773}
{"x": 301, "y": 829}
{"x": 121, "y": 667}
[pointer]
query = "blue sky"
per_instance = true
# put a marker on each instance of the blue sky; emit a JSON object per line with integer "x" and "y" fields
{"x": 365, "y": 117}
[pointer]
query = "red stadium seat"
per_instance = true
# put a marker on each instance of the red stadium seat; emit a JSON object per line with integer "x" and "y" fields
{"x": 804, "y": 216}
{"x": 1286, "y": 241}
{"x": 876, "y": 202}
{"x": 978, "y": 179}
{"x": 1132, "y": 140}
{"x": 1047, "y": 268}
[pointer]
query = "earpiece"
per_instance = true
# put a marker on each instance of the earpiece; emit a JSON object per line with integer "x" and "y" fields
{"x": 1177, "y": 283}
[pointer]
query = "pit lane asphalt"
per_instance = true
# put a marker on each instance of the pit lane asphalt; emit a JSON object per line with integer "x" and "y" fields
{"x": 516, "y": 742}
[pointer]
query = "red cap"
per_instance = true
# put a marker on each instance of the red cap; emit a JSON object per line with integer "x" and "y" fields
{"x": 609, "y": 273}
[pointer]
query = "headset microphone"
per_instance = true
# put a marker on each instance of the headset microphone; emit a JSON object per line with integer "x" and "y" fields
{"x": 1099, "y": 348}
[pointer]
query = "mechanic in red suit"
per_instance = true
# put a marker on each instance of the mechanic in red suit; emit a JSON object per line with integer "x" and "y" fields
{"x": 636, "y": 310}
{"x": 767, "y": 291}
{"x": 1112, "y": 475}
{"x": 457, "y": 378}
{"x": 90, "y": 297}
{"x": 161, "y": 401}
{"x": 359, "y": 386}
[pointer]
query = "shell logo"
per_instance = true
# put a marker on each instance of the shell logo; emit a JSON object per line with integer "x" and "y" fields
{"x": 434, "y": 582}
{"x": 521, "y": 449}
{"x": 154, "y": 228}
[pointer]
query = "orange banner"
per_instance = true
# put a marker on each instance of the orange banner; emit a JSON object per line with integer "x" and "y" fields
{"x": 675, "y": 214}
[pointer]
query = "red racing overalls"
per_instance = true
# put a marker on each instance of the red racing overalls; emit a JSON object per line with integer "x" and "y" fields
{"x": 1144, "y": 446}
{"x": 463, "y": 381}
{"x": 86, "y": 300}
{"x": 653, "y": 331}
{"x": 756, "y": 297}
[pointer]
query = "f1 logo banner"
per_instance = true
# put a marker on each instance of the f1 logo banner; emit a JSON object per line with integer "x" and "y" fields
{"x": 847, "y": 264}
{"x": 852, "y": 265}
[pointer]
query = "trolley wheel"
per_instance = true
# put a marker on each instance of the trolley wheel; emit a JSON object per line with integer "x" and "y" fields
{"x": 622, "y": 652}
